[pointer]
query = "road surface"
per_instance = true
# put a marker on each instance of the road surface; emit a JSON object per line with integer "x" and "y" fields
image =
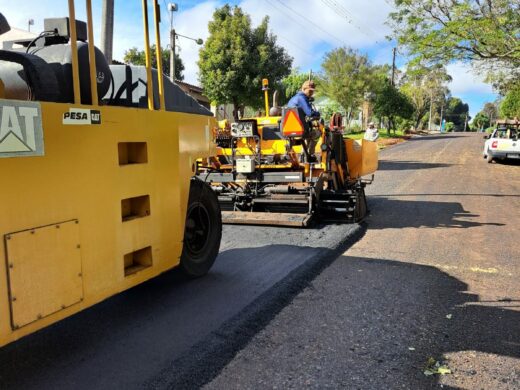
{"x": 436, "y": 276}
{"x": 159, "y": 333}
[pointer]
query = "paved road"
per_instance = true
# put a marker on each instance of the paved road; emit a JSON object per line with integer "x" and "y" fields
{"x": 160, "y": 333}
{"x": 436, "y": 275}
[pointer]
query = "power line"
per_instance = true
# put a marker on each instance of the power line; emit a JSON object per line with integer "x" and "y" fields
{"x": 311, "y": 22}
{"x": 349, "y": 17}
{"x": 295, "y": 45}
{"x": 303, "y": 50}
{"x": 284, "y": 12}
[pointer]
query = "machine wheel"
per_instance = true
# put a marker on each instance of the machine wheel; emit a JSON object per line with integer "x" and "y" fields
{"x": 202, "y": 232}
{"x": 489, "y": 158}
{"x": 361, "y": 205}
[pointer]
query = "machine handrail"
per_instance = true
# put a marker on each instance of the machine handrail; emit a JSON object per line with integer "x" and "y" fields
{"x": 92, "y": 55}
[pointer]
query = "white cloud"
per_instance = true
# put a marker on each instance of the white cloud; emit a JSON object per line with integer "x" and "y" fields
{"x": 465, "y": 80}
{"x": 305, "y": 42}
{"x": 307, "y": 29}
{"x": 193, "y": 23}
{"x": 356, "y": 23}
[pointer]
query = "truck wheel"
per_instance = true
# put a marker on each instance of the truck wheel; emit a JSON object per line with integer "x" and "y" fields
{"x": 489, "y": 158}
{"x": 202, "y": 232}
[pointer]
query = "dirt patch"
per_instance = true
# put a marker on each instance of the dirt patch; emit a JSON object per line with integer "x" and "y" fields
{"x": 386, "y": 142}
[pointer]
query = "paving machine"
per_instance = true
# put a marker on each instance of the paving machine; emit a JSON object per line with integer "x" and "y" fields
{"x": 288, "y": 169}
{"x": 97, "y": 162}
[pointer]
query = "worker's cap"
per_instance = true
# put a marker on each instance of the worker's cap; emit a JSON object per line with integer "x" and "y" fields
{"x": 309, "y": 84}
{"x": 371, "y": 124}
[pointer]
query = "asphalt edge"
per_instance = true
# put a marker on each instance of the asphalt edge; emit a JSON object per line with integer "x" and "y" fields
{"x": 206, "y": 359}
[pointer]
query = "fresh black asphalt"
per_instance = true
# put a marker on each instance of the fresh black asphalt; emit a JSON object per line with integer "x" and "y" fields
{"x": 173, "y": 332}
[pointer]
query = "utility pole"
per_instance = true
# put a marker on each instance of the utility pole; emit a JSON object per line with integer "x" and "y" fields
{"x": 442, "y": 111}
{"x": 107, "y": 29}
{"x": 431, "y": 105}
{"x": 172, "y": 7}
{"x": 393, "y": 66}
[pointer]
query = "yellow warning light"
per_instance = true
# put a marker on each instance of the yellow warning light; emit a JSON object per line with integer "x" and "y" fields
{"x": 265, "y": 82}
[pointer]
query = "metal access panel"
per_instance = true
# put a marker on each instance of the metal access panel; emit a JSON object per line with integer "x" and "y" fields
{"x": 44, "y": 271}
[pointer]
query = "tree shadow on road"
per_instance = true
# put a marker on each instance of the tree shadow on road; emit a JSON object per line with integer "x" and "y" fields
{"x": 387, "y": 165}
{"x": 398, "y": 214}
{"x": 363, "y": 323}
{"x": 392, "y": 306}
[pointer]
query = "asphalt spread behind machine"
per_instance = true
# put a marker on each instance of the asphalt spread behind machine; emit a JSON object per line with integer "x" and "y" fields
{"x": 289, "y": 170}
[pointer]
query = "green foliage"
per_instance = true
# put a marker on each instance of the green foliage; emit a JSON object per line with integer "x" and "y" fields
{"x": 329, "y": 109}
{"x": 481, "y": 120}
{"x": 354, "y": 128}
{"x": 348, "y": 75}
{"x": 424, "y": 86}
{"x": 450, "y": 126}
{"x": 457, "y": 112}
{"x": 236, "y": 57}
{"x": 491, "y": 111}
{"x": 510, "y": 106}
{"x": 404, "y": 125}
{"x": 137, "y": 57}
{"x": 292, "y": 83}
{"x": 390, "y": 102}
{"x": 465, "y": 30}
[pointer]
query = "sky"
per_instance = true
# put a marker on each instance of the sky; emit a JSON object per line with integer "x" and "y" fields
{"x": 307, "y": 29}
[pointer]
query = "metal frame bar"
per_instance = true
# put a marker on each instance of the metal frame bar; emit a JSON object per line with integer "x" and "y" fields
{"x": 74, "y": 53}
{"x": 92, "y": 55}
{"x": 157, "y": 19}
{"x": 149, "y": 82}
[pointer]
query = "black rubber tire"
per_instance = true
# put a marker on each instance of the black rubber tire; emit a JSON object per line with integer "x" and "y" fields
{"x": 202, "y": 232}
{"x": 489, "y": 159}
{"x": 361, "y": 205}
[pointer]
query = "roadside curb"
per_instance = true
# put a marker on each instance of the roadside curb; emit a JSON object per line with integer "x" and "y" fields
{"x": 207, "y": 358}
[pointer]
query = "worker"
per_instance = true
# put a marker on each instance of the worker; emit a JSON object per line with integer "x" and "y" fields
{"x": 371, "y": 133}
{"x": 303, "y": 99}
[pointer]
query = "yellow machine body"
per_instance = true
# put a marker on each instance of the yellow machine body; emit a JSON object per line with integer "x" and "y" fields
{"x": 101, "y": 211}
{"x": 362, "y": 155}
{"x": 271, "y": 180}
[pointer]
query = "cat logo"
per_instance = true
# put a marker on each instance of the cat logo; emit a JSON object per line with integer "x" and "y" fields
{"x": 21, "y": 132}
{"x": 81, "y": 116}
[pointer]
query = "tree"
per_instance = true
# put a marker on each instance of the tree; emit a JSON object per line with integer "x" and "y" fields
{"x": 481, "y": 120}
{"x": 491, "y": 111}
{"x": 347, "y": 76}
{"x": 510, "y": 106}
{"x": 464, "y": 30}
{"x": 450, "y": 126}
{"x": 292, "y": 83}
{"x": 390, "y": 103}
{"x": 235, "y": 58}
{"x": 425, "y": 86}
{"x": 137, "y": 57}
{"x": 457, "y": 112}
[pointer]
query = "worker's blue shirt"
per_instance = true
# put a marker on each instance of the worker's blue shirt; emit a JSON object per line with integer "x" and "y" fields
{"x": 301, "y": 100}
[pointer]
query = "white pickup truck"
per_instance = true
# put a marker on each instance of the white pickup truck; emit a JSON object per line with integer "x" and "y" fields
{"x": 503, "y": 142}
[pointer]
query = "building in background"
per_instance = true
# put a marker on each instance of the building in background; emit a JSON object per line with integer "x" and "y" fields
{"x": 13, "y": 35}
{"x": 195, "y": 92}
